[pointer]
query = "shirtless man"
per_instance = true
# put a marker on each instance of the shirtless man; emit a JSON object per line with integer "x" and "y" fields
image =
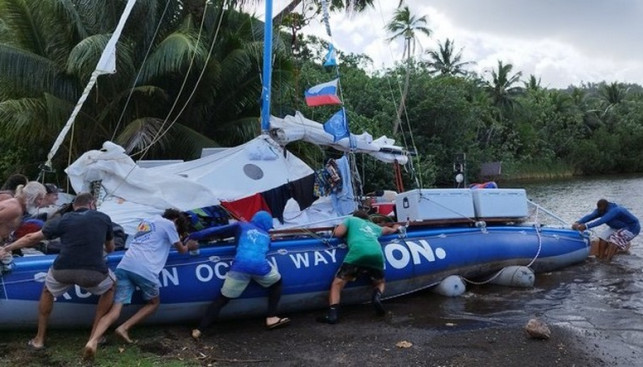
{"x": 13, "y": 209}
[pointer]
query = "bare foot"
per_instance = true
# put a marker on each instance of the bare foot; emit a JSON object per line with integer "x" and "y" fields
{"x": 123, "y": 334}
{"x": 196, "y": 334}
{"x": 90, "y": 351}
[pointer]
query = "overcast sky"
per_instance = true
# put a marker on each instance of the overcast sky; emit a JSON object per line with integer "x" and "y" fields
{"x": 563, "y": 42}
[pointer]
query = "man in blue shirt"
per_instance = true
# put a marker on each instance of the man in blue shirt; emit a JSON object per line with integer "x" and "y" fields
{"x": 622, "y": 227}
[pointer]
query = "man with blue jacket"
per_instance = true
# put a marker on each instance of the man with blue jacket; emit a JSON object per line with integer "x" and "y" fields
{"x": 250, "y": 263}
{"x": 622, "y": 227}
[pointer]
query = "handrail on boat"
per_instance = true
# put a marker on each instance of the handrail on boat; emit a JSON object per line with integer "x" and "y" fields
{"x": 550, "y": 213}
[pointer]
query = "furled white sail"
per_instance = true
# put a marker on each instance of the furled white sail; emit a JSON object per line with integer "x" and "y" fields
{"x": 106, "y": 65}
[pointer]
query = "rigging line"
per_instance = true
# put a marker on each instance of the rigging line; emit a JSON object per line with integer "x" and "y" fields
{"x": 140, "y": 70}
{"x": 144, "y": 151}
{"x": 417, "y": 177}
{"x": 164, "y": 130}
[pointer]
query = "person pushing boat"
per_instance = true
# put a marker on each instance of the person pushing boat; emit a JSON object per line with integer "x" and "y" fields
{"x": 623, "y": 226}
{"x": 250, "y": 263}
{"x": 364, "y": 258}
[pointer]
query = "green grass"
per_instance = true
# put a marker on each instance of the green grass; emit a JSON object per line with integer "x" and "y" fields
{"x": 156, "y": 346}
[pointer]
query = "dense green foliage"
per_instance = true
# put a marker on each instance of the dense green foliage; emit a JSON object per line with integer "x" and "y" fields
{"x": 189, "y": 77}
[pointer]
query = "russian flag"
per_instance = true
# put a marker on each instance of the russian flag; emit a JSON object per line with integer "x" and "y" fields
{"x": 322, "y": 94}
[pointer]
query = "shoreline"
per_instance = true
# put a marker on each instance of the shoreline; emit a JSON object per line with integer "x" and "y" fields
{"x": 359, "y": 339}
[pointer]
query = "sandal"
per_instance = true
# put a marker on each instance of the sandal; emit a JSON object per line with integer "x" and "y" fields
{"x": 282, "y": 321}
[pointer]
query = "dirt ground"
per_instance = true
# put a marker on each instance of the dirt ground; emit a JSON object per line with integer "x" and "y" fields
{"x": 360, "y": 339}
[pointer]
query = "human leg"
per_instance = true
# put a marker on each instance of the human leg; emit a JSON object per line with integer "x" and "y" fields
{"x": 211, "y": 315}
{"x": 376, "y": 298}
{"x": 52, "y": 289}
{"x": 150, "y": 307}
{"x": 150, "y": 290}
{"x": 273, "y": 282}
{"x": 45, "y": 306}
{"x": 233, "y": 285}
{"x": 332, "y": 315}
{"x": 100, "y": 328}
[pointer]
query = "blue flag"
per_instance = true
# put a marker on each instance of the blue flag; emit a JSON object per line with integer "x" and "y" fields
{"x": 331, "y": 57}
{"x": 337, "y": 126}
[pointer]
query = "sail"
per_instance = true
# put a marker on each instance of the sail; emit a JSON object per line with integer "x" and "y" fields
{"x": 106, "y": 65}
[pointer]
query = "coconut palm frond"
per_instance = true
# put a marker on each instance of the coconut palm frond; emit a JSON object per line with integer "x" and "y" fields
{"x": 33, "y": 74}
{"x": 172, "y": 56}
{"x": 23, "y": 120}
{"x": 140, "y": 133}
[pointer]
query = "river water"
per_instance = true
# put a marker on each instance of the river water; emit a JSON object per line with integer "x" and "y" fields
{"x": 601, "y": 302}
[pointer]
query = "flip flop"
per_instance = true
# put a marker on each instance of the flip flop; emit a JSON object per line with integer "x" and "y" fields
{"x": 32, "y": 346}
{"x": 282, "y": 321}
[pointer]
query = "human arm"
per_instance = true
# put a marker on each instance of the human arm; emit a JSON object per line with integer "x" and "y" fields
{"x": 186, "y": 245}
{"x": 109, "y": 246}
{"x": 610, "y": 214}
{"x": 593, "y": 215}
{"x": 391, "y": 230}
{"x": 340, "y": 230}
{"x": 229, "y": 230}
{"x": 26, "y": 241}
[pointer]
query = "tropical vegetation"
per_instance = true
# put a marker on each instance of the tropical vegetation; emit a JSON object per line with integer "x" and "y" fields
{"x": 188, "y": 77}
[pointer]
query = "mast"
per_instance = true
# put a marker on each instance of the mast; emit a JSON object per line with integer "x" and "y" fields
{"x": 267, "y": 69}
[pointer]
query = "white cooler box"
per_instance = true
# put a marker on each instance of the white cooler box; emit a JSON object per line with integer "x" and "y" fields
{"x": 430, "y": 204}
{"x": 500, "y": 203}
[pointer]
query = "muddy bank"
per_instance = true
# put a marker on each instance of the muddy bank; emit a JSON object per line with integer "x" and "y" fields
{"x": 400, "y": 338}
{"x": 360, "y": 339}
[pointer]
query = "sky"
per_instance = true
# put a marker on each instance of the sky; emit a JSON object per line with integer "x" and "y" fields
{"x": 562, "y": 42}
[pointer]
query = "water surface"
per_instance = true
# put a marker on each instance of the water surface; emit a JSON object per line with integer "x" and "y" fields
{"x": 601, "y": 302}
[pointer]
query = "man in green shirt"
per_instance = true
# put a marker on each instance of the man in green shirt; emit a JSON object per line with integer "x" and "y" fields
{"x": 364, "y": 258}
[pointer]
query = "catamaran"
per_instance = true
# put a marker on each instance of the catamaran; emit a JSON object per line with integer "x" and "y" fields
{"x": 472, "y": 234}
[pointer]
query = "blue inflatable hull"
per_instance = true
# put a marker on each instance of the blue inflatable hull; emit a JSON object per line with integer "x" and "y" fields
{"x": 307, "y": 264}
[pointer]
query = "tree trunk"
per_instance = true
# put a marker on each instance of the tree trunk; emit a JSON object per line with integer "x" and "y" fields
{"x": 277, "y": 19}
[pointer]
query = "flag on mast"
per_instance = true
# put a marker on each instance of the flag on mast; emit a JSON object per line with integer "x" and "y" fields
{"x": 322, "y": 94}
{"x": 337, "y": 126}
{"x": 331, "y": 57}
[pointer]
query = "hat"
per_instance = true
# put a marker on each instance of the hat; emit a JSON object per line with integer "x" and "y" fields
{"x": 51, "y": 188}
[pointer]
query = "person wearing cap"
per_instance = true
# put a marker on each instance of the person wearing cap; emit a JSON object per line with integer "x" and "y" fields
{"x": 250, "y": 263}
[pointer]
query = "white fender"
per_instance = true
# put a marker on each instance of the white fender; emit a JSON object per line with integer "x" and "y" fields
{"x": 515, "y": 276}
{"x": 451, "y": 286}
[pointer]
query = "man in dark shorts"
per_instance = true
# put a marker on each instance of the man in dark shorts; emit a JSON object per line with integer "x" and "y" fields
{"x": 84, "y": 234}
{"x": 364, "y": 258}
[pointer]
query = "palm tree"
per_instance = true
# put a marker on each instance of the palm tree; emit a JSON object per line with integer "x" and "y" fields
{"x": 179, "y": 82}
{"x": 501, "y": 87}
{"x": 532, "y": 84}
{"x": 347, "y": 5}
{"x": 405, "y": 25}
{"x": 445, "y": 61}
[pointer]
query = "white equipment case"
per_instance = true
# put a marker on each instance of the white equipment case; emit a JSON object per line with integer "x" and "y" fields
{"x": 434, "y": 204}
{"x": 500, "y": 203}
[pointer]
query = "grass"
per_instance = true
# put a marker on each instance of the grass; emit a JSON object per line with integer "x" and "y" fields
{"x": 156, "y": 346}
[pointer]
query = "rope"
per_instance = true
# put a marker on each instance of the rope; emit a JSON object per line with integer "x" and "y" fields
{"x": 533, "y": 260}
{"x": 140, "y": 70}
{"x": 162, "y": 131}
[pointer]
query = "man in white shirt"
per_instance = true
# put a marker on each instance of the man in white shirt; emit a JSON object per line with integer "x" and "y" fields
{"x": 140, "y": 267}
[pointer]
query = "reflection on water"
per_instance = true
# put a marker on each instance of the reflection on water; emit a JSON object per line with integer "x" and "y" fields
{"x": 603, "y": 302}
